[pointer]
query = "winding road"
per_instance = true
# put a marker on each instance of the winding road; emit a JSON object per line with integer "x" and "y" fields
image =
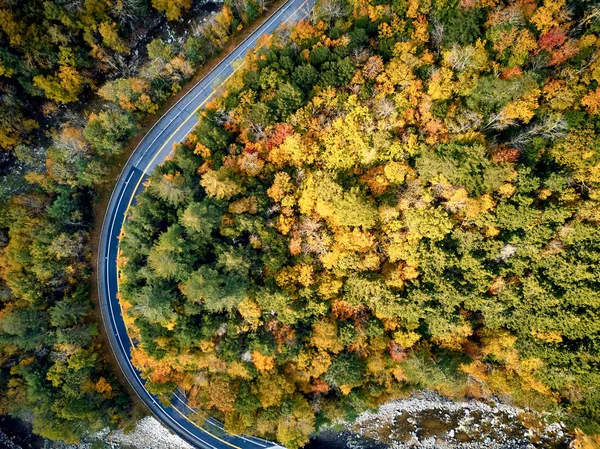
{"x": 154, "y": 148}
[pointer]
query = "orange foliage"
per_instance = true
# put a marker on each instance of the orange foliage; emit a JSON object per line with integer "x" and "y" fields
{"x": 262, "y": 362}
{"x": 105, "y": 388}
{"x": 504, "y": 154}
{"x": 376, "y": 180}
{"x": 513, "y": 72}
{"x": 319, "y": 386}
{"x": 592, "y": 101}
{"x": 397, "y": 352}
{"x": 283, "y": 333}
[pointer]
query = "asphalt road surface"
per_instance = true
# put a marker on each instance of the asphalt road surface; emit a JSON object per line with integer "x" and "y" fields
{"x": 172, "y": 127}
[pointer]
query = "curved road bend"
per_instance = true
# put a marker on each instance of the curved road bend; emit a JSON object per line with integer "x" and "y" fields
{"x": 154, "y": 148}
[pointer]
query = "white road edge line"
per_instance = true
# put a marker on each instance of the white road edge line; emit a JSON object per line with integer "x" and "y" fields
{"x": 258, "y": 33}
{"x": 184, "y": 402}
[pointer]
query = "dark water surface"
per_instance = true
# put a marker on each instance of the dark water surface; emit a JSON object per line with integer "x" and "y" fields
{"x": 16, "y": 434}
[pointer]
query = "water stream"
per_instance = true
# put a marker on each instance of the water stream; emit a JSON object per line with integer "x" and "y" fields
{"x": 428, "y": 420}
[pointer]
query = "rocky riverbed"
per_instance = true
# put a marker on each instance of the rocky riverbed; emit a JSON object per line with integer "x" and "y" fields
{"x": 428, "y": 420}
{"x": 425, "y": 420}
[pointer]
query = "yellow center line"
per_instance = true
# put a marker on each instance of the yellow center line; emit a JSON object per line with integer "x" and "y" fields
{"x": 176, "y": 131}
{"x": 194, "y": 112}
{"x": 169, "y": 139}
{"x": 212, "y": 93}
{"x": 204, "y": 430}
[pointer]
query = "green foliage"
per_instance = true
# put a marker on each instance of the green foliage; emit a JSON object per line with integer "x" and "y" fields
{"x": 464, "y": 165}
{"x": 462, "y": 26}
{"x": 108, "y": 131}
{"x": 384, "y": 201}
{"x": 346, "y": 370}
{"x": 73, "y": 91}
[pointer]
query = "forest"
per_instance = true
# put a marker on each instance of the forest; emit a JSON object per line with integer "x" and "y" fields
{"x": 392, "y": 195}
{"x": 77, "y": 80}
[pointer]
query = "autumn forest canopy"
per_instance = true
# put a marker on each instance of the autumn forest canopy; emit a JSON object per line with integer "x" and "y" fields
{"x": 391, "y": 195}
{"x": 388, "y": 196}
{"x": 77, "y": 80}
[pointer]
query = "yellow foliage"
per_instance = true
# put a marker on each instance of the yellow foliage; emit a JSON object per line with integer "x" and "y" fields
{"x": 355, "y": 240}
{"x": 345, "y": 389}
{"x": 440, "y": 86}
{"x": 238, "y": 369}
{"x": 287, "y": 204}
{"x": 250, "y": 311}
{"x": 507, "y": 190}
{"x": 498, "y": 342}
{"x": 284, "y": 224}
{"x": 324, "y": 208}
{"x": 298, "y": 274}
{"x": 104, "y": 388}
{"x": 202, "y": 150}
{"x": 398, "y": 374}
{"x": 272, "y": 389}
{"x": 248, "y": 204}
{"x": 583, "y": 441}
{"x": 303, "y": 30}
{"x": 282, "y": 185}
{"x": 207, "y": 346}
{"x": 388, "y": 213}
{"x": 524, "y": 43}
{"x": 325, "y": 336}
{"x": 262, "y": 362}
{"x": 523, "y": 109}
{"x": 396, "y": 171}
{"x": 308, "y": 196}
{"x": 486, "y": 202}
{"x": 550, "y": 337}
{"x": 455, "y": 337}
{"x": 344, "y": 143}
{"x": 475, "y": 369}
{"x": 592, "y": 101}
{"x": 413, "y": 8}
{"x": 292, "y": 152}
{"x": 421, "y": 29}
{"x": 329, "y": 287}
{"x": 406, "y": 339}
{"x": 457, "y": 200}
{"x": 546, "y": 17}
{"x": 399, "y": 72}
{"x": 544, "y": 194}
{"x": 314, "y": 363}
{"x": 305, "y": 274}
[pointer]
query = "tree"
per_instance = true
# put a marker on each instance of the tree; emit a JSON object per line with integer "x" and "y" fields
{"x": 167, "y": 257}
{"x": 287, "y": 99}
{"x": 170, "y": 187}
{"x": 346, "y": 371}
{"x": 219, "y": 184}
{"x": 330, "y": 10}
{"x": 130, "y": 94}
{"x": 372, "y": 205}
{"x": 216, "y": 291}
{"x": 202, "y": 219}
{"x": 172, "y": 8}
{"x": 108, "y": 131}
{"x": 305, "y": 76}
{"x": 64, "y": 86}
{"x": 110, "y": 37}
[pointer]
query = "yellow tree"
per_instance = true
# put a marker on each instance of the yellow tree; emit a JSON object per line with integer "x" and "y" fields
{"x": 64, "y": 86}
{"x": 172, "y": 8}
